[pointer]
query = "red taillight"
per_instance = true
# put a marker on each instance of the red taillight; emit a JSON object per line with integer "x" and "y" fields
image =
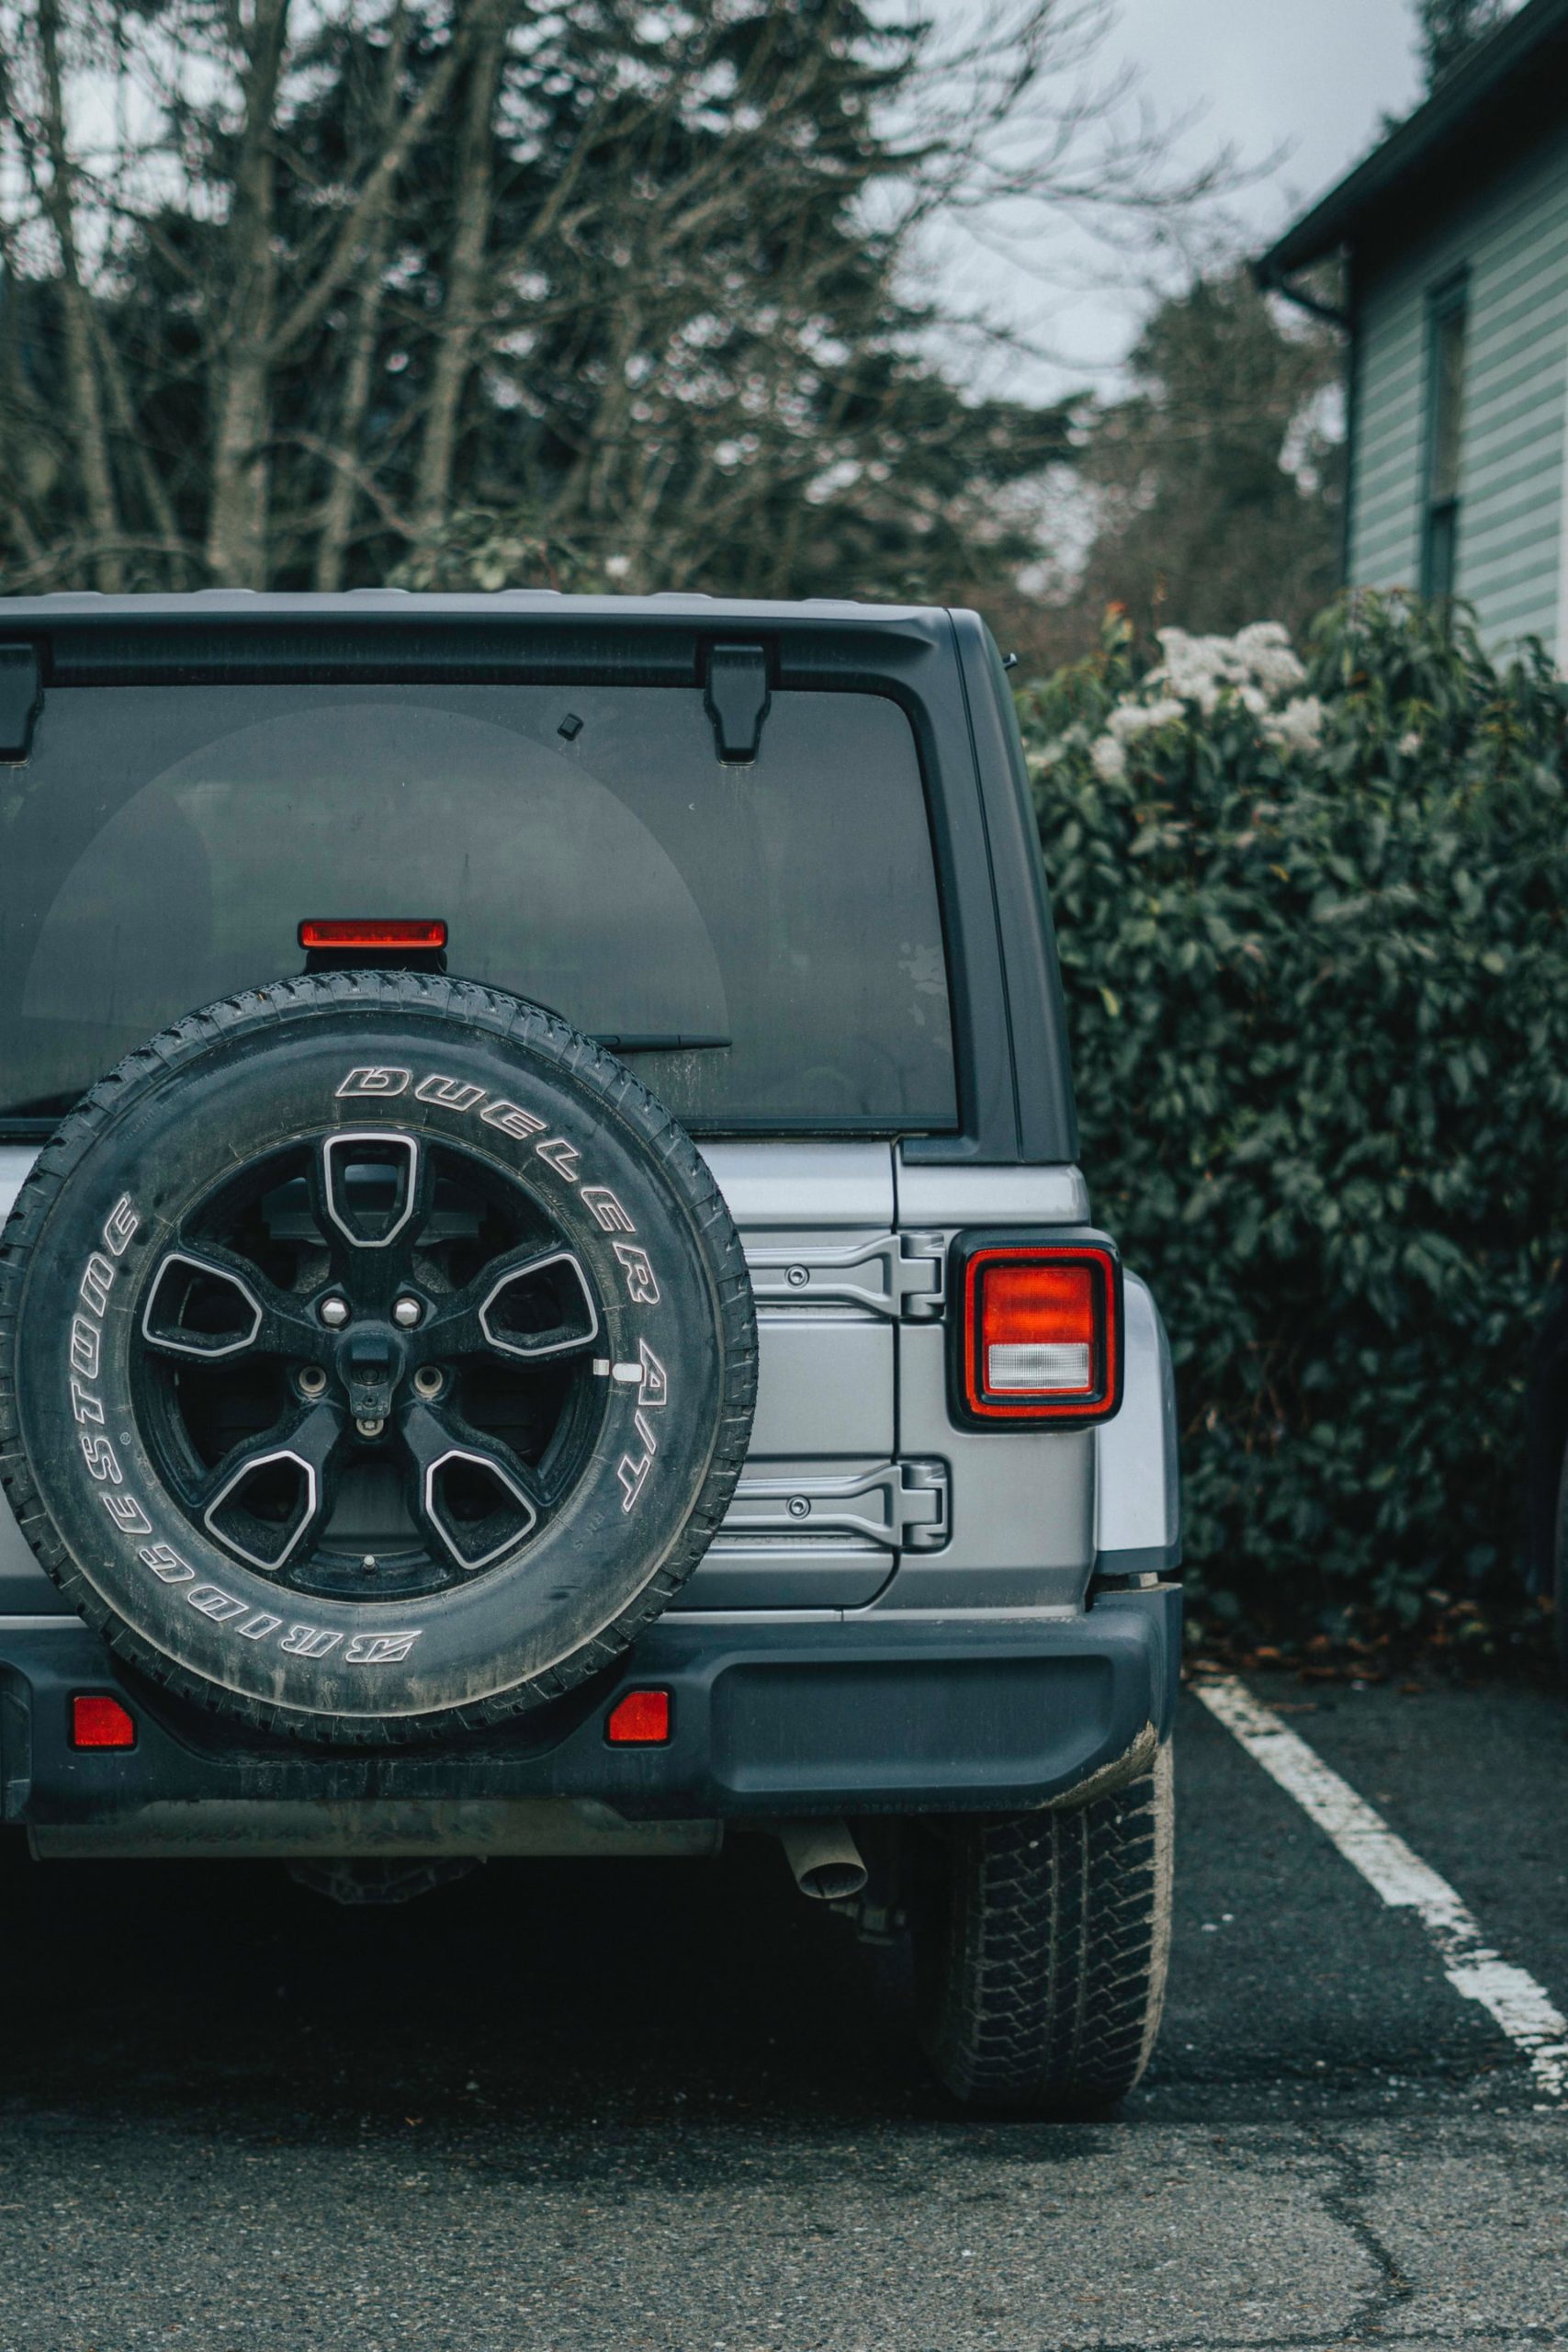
{"x": 1039, "y": 1335}
{"x": 339, "y": 932}
{"x": 99, "y": 1721}
{"x": 639, "y": 1719}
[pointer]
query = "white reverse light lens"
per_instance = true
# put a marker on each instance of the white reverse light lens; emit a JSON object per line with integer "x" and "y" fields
{"x": 1037, "y": 1364}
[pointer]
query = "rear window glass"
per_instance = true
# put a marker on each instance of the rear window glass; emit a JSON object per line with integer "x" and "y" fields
{"x": 584, "y": 844}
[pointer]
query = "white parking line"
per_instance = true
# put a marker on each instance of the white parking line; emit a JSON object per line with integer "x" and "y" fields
{"x": 1521, "y": 2006}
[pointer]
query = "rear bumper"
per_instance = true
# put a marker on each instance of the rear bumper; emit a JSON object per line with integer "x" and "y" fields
{"x": 900, "y": 1714}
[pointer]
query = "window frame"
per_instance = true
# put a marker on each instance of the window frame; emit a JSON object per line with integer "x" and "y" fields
{"x": 1448, "y": 303}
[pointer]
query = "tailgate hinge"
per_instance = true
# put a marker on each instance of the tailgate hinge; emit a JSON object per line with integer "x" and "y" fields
{"x": 901, "y": 1504}
{"x": 897, "y": 1274}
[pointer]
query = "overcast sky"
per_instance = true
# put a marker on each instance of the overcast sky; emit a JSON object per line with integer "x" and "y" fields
{"x": 1313, "y": 77}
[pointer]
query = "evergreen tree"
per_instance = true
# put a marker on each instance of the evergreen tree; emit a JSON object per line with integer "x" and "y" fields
{"x": 1215, "y": 481}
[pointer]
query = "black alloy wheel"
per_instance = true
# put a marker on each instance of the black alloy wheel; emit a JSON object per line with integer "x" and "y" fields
{"x": 366, "y": 1365}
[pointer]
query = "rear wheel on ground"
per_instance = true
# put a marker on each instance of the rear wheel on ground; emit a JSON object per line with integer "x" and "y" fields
{"x": 1039, "y": 1946}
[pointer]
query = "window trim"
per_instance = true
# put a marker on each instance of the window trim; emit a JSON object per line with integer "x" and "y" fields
{"x": 1449, "y": 300}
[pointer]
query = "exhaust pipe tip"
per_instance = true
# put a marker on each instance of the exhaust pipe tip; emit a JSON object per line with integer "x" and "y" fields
{"x": 828, "y": 1864}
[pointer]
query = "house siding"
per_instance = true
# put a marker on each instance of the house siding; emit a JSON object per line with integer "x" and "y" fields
{"x": 1511, "y": 239}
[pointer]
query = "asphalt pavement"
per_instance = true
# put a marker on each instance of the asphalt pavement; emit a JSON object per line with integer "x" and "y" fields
{"x": 599, "y": 2108}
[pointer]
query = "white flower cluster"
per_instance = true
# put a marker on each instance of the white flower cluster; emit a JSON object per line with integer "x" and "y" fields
{"x": 1200, "y": 669}
{"x": 1256, "y": 667}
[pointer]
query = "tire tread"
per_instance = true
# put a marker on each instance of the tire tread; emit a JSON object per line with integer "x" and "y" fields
{"x": 1045, "y": 1965}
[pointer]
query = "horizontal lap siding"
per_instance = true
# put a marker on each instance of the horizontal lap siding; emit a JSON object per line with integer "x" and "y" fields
{"x": 1513, "y": 238}
{"x": 1385, "y": 539}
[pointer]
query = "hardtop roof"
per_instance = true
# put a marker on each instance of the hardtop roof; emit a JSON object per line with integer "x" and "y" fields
{"x": 88, "y": 639}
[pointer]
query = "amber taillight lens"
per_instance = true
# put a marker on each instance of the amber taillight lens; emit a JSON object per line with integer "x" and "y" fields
{"x": 1040, "y": 1337}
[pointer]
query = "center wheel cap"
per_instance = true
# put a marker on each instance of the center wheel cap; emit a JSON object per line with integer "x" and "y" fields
{"x": 371, "y": 1363}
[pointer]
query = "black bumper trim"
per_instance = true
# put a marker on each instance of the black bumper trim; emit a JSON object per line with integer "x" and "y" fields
{"x": 974, "y": 1713}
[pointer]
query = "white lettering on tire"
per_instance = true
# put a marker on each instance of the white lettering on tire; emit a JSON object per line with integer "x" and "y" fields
{"x": 119, "y": 1224}
{"x": 101, "y": 1459}
{"x": 642, "y": 1283}
{"x": 214, "y": 1603}
{"x": 308, "y": 1641}
{"x": 563, "y": 1156}
{"x": 653, "y": 1394}
{"x": 607, "y": 1209}
{"x": 511, "y": 1119}
{"x": 97, "y": 1276}
{"x": 451, "y": 1094}
{"x": 166, "y": 1563}
{"x": 379, "y": 1649}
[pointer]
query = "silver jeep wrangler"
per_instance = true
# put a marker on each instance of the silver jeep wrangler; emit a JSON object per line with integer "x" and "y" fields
{"x": 547, "y": 1306}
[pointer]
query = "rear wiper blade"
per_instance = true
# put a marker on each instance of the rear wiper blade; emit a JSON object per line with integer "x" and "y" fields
{"x": 657, "y": 1042}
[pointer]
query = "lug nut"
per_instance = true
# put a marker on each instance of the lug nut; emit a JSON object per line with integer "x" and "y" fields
{"x": 333, "y": 1313}
{"x": 312, "y": 1380}
{"x": 407, "y": 1312}
{"x": 427, "y": 1381}
{"x": 370, "y": 1425}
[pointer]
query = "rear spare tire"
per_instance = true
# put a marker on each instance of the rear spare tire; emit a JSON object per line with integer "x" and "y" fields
{"x": 376, "y": 1356}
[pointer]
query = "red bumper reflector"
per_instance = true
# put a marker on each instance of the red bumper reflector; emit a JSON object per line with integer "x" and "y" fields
{"x": 639, "y": 1719}
{"x": 361, "y": 931}
{"x": 99, "y": 1721}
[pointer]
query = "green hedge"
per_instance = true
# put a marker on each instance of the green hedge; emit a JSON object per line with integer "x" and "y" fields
{"x": 1312, "y": 921}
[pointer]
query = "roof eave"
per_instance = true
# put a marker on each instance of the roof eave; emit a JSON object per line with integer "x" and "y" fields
{"x": 1331, "y": 223}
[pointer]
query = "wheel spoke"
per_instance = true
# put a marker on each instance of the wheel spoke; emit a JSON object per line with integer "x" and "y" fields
{"x": 369, "y": 1190}
{"x": 267, "y": 1499}
{"x": 473, "y": 1498}
{"x": 528, "y": 1306}
{"x": 208, "y": 1305}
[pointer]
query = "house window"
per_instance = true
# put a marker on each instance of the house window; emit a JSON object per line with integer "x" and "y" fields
{"x": 1447, "y": 318}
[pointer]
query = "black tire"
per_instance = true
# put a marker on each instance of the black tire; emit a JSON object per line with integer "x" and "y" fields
{"x": 1041, "y": 1944}
{"x": 632, "y": 1345}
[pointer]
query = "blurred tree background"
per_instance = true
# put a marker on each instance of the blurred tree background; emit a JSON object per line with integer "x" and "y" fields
{"x": 323, "y": 293}
{"x": 1214, "y": 482}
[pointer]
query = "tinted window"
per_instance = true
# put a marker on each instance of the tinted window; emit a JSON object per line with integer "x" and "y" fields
{"x": 162, "y": 845}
